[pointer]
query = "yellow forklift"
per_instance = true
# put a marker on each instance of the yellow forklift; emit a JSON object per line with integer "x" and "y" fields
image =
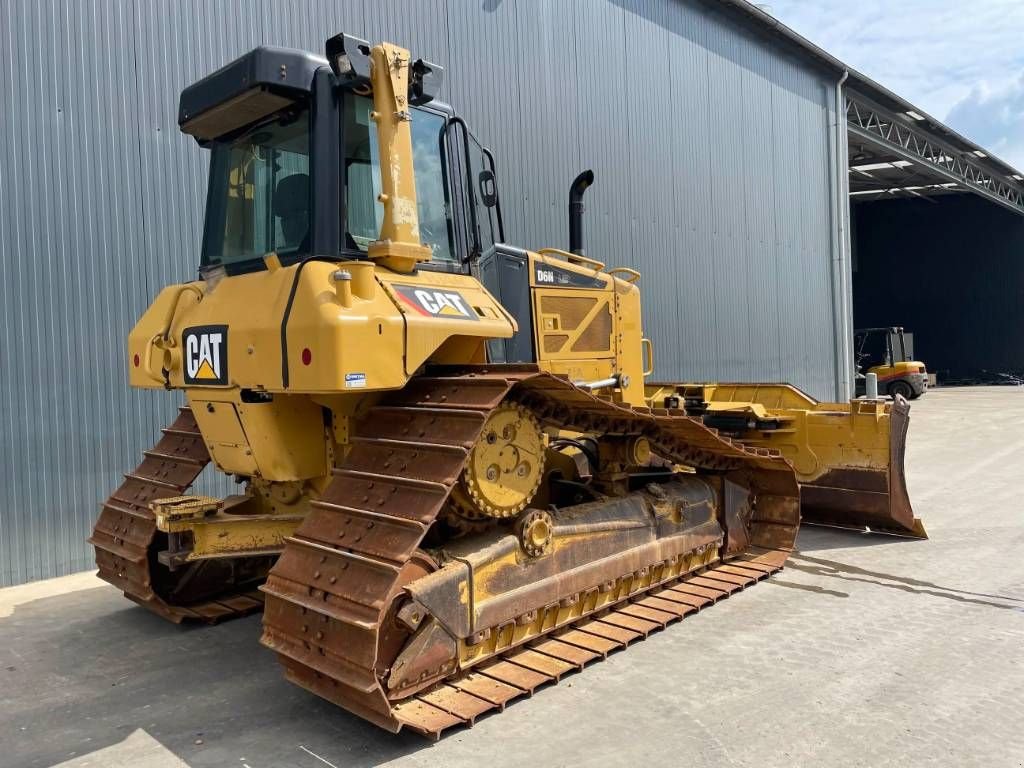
{"x": 884, "y": 352}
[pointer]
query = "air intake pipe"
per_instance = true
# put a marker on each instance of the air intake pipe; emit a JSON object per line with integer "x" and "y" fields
{"x": 576, "y": 190}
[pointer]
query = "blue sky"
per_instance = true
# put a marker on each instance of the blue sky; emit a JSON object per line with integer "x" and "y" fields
{"x": 961, "y": 61}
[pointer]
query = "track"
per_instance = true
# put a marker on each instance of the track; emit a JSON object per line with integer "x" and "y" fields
{"x": 329, "y": 597}
{"x": 127, "y": 540}
{"x": 492, "y": 685}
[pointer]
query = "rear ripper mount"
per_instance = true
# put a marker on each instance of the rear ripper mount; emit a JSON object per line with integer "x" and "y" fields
{"x": 362, "y": 615}
{"x": 128, "y": 543}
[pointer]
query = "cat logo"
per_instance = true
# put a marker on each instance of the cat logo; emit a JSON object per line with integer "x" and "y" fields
{"x": 206, "y": 354}
{"x": 431, "y": 302}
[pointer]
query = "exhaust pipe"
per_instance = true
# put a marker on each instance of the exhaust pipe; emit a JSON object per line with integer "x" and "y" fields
{"x": 871, "y": 386}
{"x": 576, "y": 190}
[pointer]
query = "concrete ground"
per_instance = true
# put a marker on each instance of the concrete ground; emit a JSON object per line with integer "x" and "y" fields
{"x": 865, "y": 651}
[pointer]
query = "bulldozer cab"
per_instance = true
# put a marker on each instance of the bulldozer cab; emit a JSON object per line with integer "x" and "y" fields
{"x": 304, "y": 178}
{"x": 301, "y": 177}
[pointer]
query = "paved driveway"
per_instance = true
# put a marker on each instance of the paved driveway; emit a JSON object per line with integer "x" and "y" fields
{"x": 865, "y": 651}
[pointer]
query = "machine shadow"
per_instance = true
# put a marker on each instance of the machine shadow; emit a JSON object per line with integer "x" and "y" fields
{"x": 819, "y": 538}
{"x": 845, "y": 572}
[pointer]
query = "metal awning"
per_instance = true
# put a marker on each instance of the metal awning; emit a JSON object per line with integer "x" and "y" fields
{"x": 903, "y": 153}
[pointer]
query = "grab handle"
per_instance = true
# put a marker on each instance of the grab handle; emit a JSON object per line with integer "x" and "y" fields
{"x": 648, "y": 347}
{"x": 163, "y": 340}
{"x": 631, "y": 275}
{"x": 574, "y": 258}
{"x": 147, "y": 359}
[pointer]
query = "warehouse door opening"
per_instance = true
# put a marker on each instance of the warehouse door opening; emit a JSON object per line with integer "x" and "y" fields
{"x": 937, "y": 247}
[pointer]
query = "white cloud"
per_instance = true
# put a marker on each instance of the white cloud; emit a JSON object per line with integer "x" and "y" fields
{"x": 994, "y": 118}
{"x": 960, "y": 61}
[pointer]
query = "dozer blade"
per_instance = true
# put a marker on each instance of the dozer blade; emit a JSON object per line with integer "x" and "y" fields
{"x": 872, "y": 496}
{"x": 848, "y": 457}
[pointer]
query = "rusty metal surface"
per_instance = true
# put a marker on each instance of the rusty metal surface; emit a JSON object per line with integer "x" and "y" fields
{"x": 527, "y": 672}
{"x": 672, "y": 524}
{"x": 330, "y": 599}
{"x": 125, "y": 535}
{"x": 865, "y": 498}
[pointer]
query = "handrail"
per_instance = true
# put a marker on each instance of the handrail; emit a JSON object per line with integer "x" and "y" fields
{"x": 163, "y": 339}
{"x": 631, "y": 274}
{"x": 574, "y": 258}
{"x": 147, "y": 358}
{"x": 649, "y": 346}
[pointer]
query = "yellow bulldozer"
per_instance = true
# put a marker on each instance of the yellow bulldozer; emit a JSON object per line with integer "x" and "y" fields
{"x": 454, "y": 483}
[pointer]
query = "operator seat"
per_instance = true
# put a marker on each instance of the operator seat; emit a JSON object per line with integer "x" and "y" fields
{"x": 291, "y": 206}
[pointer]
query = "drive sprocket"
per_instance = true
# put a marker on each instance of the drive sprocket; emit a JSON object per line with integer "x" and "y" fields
{"x": 505, "y": 467}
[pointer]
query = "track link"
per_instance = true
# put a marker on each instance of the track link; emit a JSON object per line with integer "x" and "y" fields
{"x": 125, "y": 536}
{"x": 493, "y": 684}
{"x": 328, "y": 596}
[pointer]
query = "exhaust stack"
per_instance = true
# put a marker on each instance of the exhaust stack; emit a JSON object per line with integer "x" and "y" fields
{"x": 576, "y": 190}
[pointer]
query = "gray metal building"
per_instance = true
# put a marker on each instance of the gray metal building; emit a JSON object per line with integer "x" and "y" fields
{"x": 719, "y": 151}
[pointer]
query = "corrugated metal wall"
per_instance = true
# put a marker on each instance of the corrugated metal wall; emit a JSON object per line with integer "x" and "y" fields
{"x": 710, "y": 148}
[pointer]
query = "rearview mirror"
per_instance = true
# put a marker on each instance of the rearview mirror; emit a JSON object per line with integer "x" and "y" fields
{"x": 488, "y": 188}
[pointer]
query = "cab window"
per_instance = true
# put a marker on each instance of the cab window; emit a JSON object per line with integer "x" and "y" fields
{"x": 362, "y": 178}
{"x": 259, "y": 195}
